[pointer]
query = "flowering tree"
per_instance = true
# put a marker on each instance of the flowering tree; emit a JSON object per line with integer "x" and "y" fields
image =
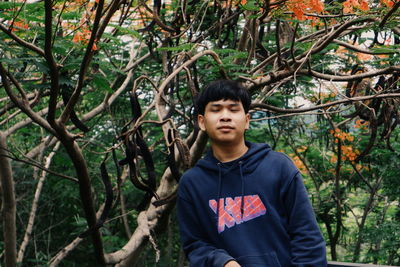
{"x": 110, "y": 84}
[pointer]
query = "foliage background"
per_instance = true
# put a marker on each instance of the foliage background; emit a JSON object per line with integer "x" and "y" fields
{"x": 86, "y": 81}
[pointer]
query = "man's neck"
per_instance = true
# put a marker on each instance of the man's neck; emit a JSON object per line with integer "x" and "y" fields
{"x": 228, "y": 152}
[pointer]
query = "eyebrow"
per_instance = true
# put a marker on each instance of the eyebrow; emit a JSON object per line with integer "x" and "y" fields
{"x": 230, "y": 105}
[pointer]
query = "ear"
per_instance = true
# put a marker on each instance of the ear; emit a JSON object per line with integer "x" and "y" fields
{"x": 247, "y": 121}
{"x": 200, "y": 120}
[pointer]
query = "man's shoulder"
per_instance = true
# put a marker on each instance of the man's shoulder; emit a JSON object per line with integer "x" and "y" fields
{"x": 189, "y": 182}
{"x": 190, "y": 174}
{"x": 278, "y": 157}
{"x": 280, "y": 162}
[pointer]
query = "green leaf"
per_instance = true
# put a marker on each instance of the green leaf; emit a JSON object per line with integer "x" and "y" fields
{"x": 251, "y": 6}
{"x": 384, "y": 50}
{"x": 9, "y": 5}
{"x": 183, "y": 47}
{"x": 101, "y": 83}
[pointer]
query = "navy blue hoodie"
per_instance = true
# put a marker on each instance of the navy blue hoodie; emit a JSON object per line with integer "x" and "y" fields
{"x": 263, "y": 216}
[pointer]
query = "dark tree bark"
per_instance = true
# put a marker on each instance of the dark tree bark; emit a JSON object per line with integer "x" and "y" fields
{"x": 8, "y": 204}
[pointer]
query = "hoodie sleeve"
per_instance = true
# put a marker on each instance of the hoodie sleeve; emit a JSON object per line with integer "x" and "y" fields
{"x": 307, "y": 244}
{"x": 199, "y": 251}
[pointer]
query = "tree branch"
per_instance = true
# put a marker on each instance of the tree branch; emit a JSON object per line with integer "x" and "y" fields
{"x": 23, "y": 105}
{"x": 22, "y": 42}
{"x": 84, "y": 65}
{"x": 387, "y": 16}
{"x": 346, "y": 78}
{"x": 53, "y": 68}
{"x": 41, "y": 167}
{"x": 65, "y": 251}
{"x": 167, "y": 80}
{"x": 364, "y": 51}
{"x": 322, "y": 106}
{"x": 27, "y": 121}
{"x": 329, "y": 38}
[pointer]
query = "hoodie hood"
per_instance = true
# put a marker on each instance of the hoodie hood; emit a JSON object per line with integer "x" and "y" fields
{"x": 249, "y": 161}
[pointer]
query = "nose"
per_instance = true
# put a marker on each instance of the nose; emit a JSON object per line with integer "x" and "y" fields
{"x": 225, "y": 115}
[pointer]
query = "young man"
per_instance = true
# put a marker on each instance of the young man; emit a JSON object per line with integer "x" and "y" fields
{"x": 244, "y": 204}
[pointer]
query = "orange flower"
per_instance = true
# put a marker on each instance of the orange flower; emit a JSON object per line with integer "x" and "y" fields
{"x": 361, "y": 124}
{"x": 19, "y": 24}
{"x": 82, "y": 36}
{"x": 299, "y": 164}
{"x": 317, "y": 5}
{"x": 333, "y": 159}
{"x": 363, "y": 57}
{"x": 299, "y": 7}
{"x": 388, "y": 3}
{"x": 358, "y": 4}
{"x": 94, "y": 47}
{"x": 347, "y": 7}
{"x": 364, "y": 5}
{"x": 78, "y": 37}
{"x": 301, "y": 149}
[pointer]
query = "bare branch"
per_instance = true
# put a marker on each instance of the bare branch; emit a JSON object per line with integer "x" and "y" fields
{"x": 364, "y": 51}
{"x": 112, "y": 8}
{"x": 42, "y": 168}
{"x": 65, "y": 251}
{"x": 157, "y": 19}
{"x": 215, "y": 26}
{"x": 173, "y": 74}
{"x": 396, "y": 30}
{"x": 387, "y": 16}
{"x": 22, "y": 42}
{"x": 53, "y": 67}
{"x": 330, "y": 37}
{"x": 23, "y": 105}
{"x": 26, "y": 121}
{"x": 84, "y": 65}
{"x": 361, "y": 176}
{"x": 11, "y": 105}
{"x": 277, "y": 41}
{"x": 346, "y": 78}
{"x": 309, "y": 37}
{"x": 323, "y": 106}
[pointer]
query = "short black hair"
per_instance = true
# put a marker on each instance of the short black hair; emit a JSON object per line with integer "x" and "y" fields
{"x": 223, "y": 90}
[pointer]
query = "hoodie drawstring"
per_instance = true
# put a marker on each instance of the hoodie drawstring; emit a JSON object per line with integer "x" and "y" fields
{"x": 219, "y": 189}
{"x": 241, "y": 177}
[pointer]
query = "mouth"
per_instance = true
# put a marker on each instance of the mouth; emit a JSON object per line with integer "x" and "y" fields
{"x": 225, "y": 128}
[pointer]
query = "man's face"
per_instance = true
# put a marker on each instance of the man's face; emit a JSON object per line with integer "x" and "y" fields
{"x": 225, "y": 121}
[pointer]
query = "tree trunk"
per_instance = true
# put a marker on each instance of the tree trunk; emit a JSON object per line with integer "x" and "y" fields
{"x": 151, "y": 218}
{"x": 35, "y": 204}
{"x": 367, "y": 209}
{"x": 85, "y": 192}
{"x": 9, "y": 205}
